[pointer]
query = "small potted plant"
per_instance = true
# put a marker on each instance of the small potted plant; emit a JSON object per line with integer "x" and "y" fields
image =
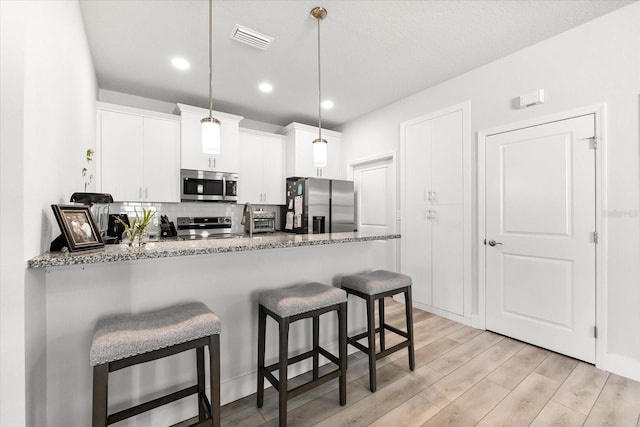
{"x": 137, "y": 227}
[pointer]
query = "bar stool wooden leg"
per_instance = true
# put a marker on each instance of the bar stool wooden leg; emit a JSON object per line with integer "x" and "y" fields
{"x": 100, "y": 393}
{"x": 316, "y": 345}
{"x": 342, "y": 343}
{"x": 381, "y": 322}
{"x": 262, "y": 320}
{"x": 202, "y": 410}
{"x": 214, "y": 373}
{"x": 283, "y": 361}
{"x": 371, "y": 333}
{"x": 409, "y": 314}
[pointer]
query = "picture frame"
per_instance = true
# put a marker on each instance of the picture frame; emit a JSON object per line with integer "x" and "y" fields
{"x": 78, "y": 227}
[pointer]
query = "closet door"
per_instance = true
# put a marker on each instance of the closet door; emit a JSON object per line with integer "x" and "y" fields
{"x": 435, "y": 211}
{"x": 416, "y": 235}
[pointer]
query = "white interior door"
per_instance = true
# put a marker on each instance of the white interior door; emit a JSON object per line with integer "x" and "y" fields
{"x": 375, "y": 208}
{"x": 540, "y": 215}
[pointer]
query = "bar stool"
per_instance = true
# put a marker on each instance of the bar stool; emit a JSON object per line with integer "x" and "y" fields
{"x": 376, "y": 286}
{"x": 286, "y": 306}
{"x": 126, "y": 340}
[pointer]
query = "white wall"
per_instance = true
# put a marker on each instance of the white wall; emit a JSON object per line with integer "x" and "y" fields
{"x": 594, "y": 63}
{"x": 49, "y": 91}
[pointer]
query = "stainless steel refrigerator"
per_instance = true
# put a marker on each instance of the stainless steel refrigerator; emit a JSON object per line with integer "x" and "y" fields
{"x": 316, "y": 205}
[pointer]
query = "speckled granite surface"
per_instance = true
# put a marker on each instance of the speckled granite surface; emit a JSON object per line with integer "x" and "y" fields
{"x": 116, "y": 253}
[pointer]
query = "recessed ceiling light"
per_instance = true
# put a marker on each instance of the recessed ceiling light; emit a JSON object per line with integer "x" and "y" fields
{"x": 327, "y": 104}
{"x": 181, "y": 63}
{"x": 265, "y": 87}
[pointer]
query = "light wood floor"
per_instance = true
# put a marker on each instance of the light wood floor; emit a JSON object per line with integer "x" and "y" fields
{"x": 463, "y": 377}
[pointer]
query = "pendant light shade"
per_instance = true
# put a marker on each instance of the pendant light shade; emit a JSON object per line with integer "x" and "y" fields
{"x": 319, "y": 144}
{"x": 210, "y": 135}
{"x": 319, "y": 153}
{"x": 210, "y": 125}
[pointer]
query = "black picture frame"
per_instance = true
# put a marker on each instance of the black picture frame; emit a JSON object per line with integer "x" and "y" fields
{"x": 78, "y": 227}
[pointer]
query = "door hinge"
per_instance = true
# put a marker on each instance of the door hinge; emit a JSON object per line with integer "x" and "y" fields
{"x": 594, "y": 142}
{"x": 595, "y": 332}
{"x": 595, "y": 237}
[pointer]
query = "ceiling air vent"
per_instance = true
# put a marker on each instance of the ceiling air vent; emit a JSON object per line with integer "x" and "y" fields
{"x": 251, "y": 37}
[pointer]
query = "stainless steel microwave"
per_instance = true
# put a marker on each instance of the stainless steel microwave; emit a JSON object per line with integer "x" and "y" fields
{"x": 208, "y": 186}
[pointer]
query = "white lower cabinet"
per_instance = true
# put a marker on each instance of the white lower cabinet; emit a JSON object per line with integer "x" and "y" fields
{"x": 139, "y": 154}
{"x": 436, "y": 238}
{"x": 262, "y": 168}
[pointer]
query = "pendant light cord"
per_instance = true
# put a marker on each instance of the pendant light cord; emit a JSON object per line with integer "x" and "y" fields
{"x": 210, "y": 55}
{"x": 319, "y": 88}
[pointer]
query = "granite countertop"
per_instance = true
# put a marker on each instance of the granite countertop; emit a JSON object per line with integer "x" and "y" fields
{"x": 164, "y": 249}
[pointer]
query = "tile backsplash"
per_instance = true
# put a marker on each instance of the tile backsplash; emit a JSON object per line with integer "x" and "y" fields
{"x": 191, "y": 209}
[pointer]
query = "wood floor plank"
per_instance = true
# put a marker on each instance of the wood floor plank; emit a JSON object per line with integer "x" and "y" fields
{"x": 557, "y": 415}
{"x": 465, "y": 352}
{"x": 462, "y": 379}
{"x": 581, "y": 388}
{"x": 315, "y": 411}
{"x": 465, "y": 333}
{"x": 521, "y": 406}
{"x": 384, "y": 400}
{"x": 557, "y": 367}
{"x": 412, "y": 413}
{"x": 517, "y": 368}
{"x": 469, "y": 408}
{"x": 617, "y": 405}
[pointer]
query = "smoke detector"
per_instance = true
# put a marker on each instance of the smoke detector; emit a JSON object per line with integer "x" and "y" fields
{"x": 251, "y": 37}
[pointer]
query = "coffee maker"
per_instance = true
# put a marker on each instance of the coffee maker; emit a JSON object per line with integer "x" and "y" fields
{"x": 99, "y": 207}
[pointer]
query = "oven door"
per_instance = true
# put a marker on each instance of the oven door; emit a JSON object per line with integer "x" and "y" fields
{"x": 202, "y": 185}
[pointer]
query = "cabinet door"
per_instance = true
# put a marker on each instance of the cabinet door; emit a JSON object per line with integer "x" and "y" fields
{"x": 274, "y": 180}
{"x": 161, "y": 160}
{"x": 122, "y": 155}
{"x": 447, "y": 258}
{"x": 446, "y": 164}
{"x": 303, "y": 149}
{"x": 416, "y": 236}
{"x": 191, "y": 153}
{"x": 228, "y": 159}
{"x": 251, "y": 165}
{"x": 334, "y": 169}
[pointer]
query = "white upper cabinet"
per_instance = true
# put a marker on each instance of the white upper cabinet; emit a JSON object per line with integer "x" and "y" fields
{"x": 191, "y": 141}
{"x": 299, "y": 139}
{"x": 139, "y": 154}
{"x": 262, "y": 168}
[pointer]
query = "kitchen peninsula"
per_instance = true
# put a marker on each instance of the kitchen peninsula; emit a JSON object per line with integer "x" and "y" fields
{"x": 225, "y": 274}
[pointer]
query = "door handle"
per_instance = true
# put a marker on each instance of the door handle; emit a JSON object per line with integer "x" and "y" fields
{"x": 493, "y": 243}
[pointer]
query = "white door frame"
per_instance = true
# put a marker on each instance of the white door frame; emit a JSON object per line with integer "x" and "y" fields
{"x": 390, "y": 155}
{"x": 479, "y": 320}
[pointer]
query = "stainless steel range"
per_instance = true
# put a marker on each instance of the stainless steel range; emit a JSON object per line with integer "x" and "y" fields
{"x": 204, "y": 227}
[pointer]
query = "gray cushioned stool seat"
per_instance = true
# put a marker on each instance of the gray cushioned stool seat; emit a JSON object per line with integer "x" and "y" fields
{"x": 121, "y": 336}
{"x": 301, "y": 298}
{"x": 376, "y": 282}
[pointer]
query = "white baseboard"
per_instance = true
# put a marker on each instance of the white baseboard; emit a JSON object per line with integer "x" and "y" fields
{"x": 623, "y": 366}
{"x": 443, "y": 313}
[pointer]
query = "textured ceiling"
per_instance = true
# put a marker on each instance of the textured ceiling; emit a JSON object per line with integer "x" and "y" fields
{"x": 373, "y": 52}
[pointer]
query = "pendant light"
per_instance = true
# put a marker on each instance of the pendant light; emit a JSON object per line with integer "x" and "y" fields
{"x": 319, "y": 144}
{"x": 210, "y": 125}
